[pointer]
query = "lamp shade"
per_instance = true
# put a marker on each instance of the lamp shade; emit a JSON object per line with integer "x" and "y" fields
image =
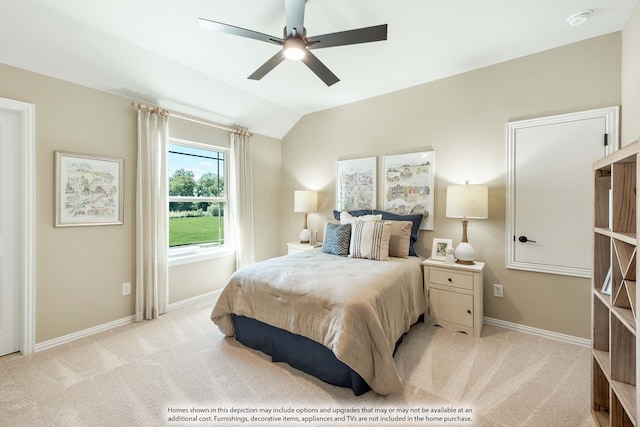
{"x": 467, "y": 201}
{"x": 305, "y": 201}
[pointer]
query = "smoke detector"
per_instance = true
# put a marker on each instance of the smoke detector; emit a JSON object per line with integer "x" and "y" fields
{"x": 579, "y": 18}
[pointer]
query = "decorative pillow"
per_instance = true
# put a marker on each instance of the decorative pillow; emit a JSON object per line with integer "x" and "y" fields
{"x": 370, "y": 239}
{"x": 400, "y": 238}
{"x": 336, "y": 239}
{"x": 357, "y": 212}
{"x": 416, "y": 219}
{"x": 347, "y": 218}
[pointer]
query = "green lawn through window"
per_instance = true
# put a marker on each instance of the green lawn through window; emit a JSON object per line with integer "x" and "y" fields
{"x": 191, "y": 230}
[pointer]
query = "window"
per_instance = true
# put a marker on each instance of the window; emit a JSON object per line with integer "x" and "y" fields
{"x": 197, "y": 198}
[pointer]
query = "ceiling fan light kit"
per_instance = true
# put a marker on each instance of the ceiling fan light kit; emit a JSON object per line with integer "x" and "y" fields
{"x": 294, "y": 49}
{"x": 295, "y": 43}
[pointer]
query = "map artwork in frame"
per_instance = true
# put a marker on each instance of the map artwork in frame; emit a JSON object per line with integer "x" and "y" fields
{"x": 88, "y": 190}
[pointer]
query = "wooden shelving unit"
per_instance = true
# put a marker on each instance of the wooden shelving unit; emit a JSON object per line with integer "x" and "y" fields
{"x": 615, "y": 370}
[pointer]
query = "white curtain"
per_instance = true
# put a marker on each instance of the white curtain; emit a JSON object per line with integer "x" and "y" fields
{"x": 152, "y": 206}
{"x": 241, "y": 201}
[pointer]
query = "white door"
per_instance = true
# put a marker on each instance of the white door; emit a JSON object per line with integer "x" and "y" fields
{"x": 9, "y": 245}
{"x": 551, "y": 190}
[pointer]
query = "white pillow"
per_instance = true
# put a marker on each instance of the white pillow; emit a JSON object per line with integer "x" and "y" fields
{"x": 370, "y": 240}
{"x": 347, "y": 218}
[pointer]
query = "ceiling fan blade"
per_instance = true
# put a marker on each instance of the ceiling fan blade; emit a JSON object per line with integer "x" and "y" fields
{"x": 267, "y": 66}
{"x": 207, "y": 24}
{"x": 294, "y": 15}
{"x": 320, "y": 69}
{"x": 360, "y": 35}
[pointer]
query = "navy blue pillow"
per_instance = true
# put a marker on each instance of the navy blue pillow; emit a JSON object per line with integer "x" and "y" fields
{"x": 336, "y": 239}
{"x": 359, "y": 212}
{"x": 415, "y": 219}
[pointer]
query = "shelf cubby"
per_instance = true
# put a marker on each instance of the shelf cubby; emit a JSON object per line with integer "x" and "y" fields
{"x": 622, "y": 352}
{"x": 600, "y": 392}
{"x": 619, "y": 413}
{"x": 623, "y": 183}
{"x": 600, "y": 326}
{"x": 626, "y": 256}
{"x": 602, "y": 259}
{"x": 623, "y": 405}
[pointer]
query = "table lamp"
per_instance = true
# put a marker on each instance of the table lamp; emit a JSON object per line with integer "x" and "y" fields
{"x": 466, "y": 201}
{"x": 305, "y": 201}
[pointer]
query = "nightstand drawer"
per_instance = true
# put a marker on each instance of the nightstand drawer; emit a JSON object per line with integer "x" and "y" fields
{"x": 447, "y": 277}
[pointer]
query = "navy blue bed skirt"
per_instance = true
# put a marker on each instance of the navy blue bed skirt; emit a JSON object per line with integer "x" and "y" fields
{"x": 299, "y": 352}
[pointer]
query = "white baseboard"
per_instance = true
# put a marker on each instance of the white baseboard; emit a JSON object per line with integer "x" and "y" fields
{"x": 191, "y": 300}
{"x": 82, "y": 334}
{"x": 114, "y": 324}
{"x": 540, "y": 332}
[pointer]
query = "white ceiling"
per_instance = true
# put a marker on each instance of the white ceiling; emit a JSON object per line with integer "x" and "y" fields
{"x": 153, "y": 50}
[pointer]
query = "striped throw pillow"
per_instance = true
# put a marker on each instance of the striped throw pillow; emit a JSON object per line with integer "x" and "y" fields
{"x": 370, "y": 240}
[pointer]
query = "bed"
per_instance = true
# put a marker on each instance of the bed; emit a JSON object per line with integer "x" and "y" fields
{"x": 335, "y": 317}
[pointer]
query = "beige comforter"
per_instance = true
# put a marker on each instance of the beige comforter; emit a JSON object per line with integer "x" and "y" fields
{"x": 357, "y": 308}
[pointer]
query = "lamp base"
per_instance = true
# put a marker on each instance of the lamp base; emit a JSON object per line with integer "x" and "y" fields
{"x": 305, "y": 235}
{"x": 464, "y": 254}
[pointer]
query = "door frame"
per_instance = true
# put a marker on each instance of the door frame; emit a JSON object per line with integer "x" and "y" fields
{"x": 26, "y": 213}
{"x": 611, "y": 116}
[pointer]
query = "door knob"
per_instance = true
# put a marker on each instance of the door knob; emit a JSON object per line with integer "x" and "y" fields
{"x": 524, "y": 239}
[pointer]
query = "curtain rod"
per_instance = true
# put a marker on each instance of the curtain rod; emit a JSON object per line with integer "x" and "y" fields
{"x": 139, "y": 106}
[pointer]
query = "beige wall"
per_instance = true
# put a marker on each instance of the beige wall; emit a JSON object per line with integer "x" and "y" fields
{"x": 267, "y": 186}
{"x": 630, "y": 78}
{"x": 79, "y": 270}
{"x": 463, "y": 118}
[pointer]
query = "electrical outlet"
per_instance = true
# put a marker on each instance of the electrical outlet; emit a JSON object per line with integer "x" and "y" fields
{"x": 126, "y": 288}
{"x": 498, "y": 291}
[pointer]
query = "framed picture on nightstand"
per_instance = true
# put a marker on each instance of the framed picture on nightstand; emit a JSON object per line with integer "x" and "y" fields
{"x": 438, "y": 250}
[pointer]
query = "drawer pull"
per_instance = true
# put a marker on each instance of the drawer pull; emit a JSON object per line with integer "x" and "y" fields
{"x": 450, "y": 279}
{"x": 468, "y": 311}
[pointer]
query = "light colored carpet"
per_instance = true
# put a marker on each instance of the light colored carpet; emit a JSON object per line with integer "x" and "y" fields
{"x": 136, "y": 374}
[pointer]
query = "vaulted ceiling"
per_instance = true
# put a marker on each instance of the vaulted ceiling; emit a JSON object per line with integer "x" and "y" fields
{"x": 154, "y": 51}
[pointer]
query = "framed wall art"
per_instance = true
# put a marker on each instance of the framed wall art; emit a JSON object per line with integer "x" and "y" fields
{"x": 356, "y": 184}
{"x": 88, "y": 190}
{"x": 408, "y": 185}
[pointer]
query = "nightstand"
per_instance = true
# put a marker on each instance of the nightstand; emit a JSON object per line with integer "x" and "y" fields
{"x": 299, "y": 247}
{"x": 454, "y": 295}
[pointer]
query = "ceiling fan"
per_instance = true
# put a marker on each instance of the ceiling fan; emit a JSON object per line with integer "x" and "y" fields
{"x": 295, "y": 43}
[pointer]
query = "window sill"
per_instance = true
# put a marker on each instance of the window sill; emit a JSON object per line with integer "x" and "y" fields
{"x": 196, "y": 254}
